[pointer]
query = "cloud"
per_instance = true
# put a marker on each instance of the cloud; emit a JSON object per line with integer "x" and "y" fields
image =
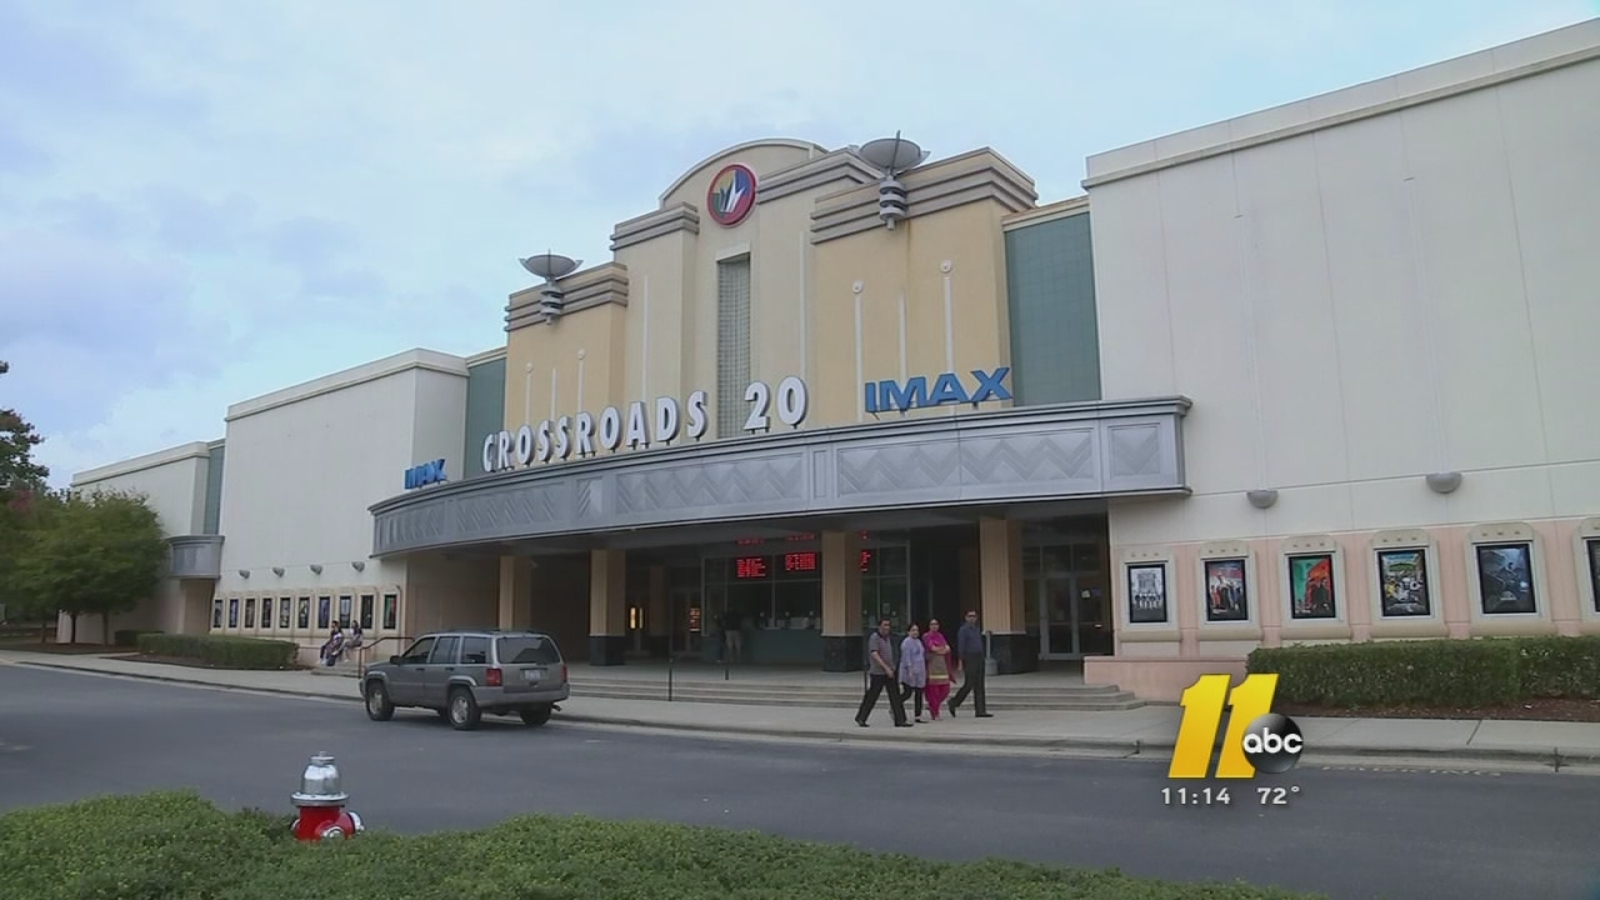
{"x": 18, "y": 155}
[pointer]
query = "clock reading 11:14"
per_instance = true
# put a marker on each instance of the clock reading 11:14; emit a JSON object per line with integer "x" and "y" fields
{"x": 1196, "y": 796}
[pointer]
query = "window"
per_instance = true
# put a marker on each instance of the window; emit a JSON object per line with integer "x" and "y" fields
{"x": 266, "y": 612}
{"x": 417, "y": 654}
{"x": 324, "y": 613}
{"x": 283, "y": 613}
{"x": 233, "y": 612}
{"x": 344, "y": 610}
{"x": 444, "y": 652}
{"x": 1505, "y": 579}
{"x": 216, "y": 613}
{"x": 250, "y": 612}
{"x": 528, "y": 650}
{"x": 474, "y": 651}
{"x": 366, "y": 612}
{"x": 733, "y": 345}
{"x": 303, "y": 614}
{"x": 391, "y": 612}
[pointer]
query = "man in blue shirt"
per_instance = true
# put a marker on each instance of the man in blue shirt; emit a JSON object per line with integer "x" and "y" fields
{"x": 883, "y": 672}
{"x": 974, "y": 666}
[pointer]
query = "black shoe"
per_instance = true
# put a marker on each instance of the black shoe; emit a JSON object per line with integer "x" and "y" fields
{"x": 902, "y": 724}
{"x": 952, "y": 708}
{"x": 985, "y": 715}
{"x": 861, "y": 723}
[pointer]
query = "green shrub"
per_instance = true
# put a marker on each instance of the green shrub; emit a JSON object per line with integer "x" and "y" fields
{"x": 1442, "y": 673}
{"x": 221, "y": 650}
{"x": 1561, "y": 667}
{"x": 129, "y": 637}
{"x": 178, "y": 847}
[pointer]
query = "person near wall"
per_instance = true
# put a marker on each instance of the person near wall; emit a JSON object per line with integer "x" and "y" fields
{"x": 974, "y": 666}
{"x": 882, "y": 674}
{"x": 914, "y": 668}
{"x": 334, "y": 648}
{"x": 940, "y": 666}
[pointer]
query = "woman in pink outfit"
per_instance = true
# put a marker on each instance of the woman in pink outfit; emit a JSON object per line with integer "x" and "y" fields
{"x": 939, "y": 668}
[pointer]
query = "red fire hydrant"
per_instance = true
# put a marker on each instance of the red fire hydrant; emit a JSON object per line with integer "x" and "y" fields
{"x": 320, "y": 801}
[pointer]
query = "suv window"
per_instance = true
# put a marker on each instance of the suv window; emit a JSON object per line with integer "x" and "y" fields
{"x": 418, "y": 654}
{"x": 528, "y": 650}
{"x": 474, "y": 651}
{"x": 444, "y": 652}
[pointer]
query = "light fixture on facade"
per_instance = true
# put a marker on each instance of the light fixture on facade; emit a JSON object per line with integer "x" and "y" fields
{"x": 278, "y": 571}
{"x": 316, "y": 568}
{"x": 1444, "y": 482}
{"x": 1263, "y": 498}
{"x": 893, "y": 156}
{"x": 244, "y": 573}
{"x": 551, "y": 268}
{"x": 359, "y": 566}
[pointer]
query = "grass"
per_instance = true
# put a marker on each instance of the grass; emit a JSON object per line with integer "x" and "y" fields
{"x": 177, "y": 846}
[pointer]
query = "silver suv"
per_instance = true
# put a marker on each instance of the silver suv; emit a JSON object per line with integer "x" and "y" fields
{"x": 463, "y": 674}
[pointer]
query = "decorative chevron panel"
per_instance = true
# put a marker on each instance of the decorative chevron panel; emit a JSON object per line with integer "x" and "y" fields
{"x": 896, "y": 468}
{"x": 1015, "y": 455}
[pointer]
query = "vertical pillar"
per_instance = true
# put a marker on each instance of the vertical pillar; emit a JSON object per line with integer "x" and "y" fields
{"x": 516, "y": 592}
{"x": 608, "y": 607}
{"x": 843, "y": 644}
{"x": 1000, "y": 580}
{"x": 656, "y": 616}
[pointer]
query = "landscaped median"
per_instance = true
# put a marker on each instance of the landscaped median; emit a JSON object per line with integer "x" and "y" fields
{"x": 177, "y": 846}
{"x": 218, "y": 651}
{"x": 1488, "y": 678}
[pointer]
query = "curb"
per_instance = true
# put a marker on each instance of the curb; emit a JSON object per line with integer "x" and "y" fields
{"x": 1554, "y": 757}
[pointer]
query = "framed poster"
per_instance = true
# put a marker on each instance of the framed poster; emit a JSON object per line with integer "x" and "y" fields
{"x": 324, "y": 613}
{"x": 1505, "y": 578}
{"x": 233, "y": 612}
{"x": 1147, "y": 594}
{"x": 250, "y": 612}
{"x": 1311, "y": 588}
{"x": 1403, "y": 583}
{"x": 216, "y": 613}
{"x": 303, "y": 614}
{"x": 1593, "y": 546}
{"x": 1227, "y": 595}
{"x": 283, "y": 613}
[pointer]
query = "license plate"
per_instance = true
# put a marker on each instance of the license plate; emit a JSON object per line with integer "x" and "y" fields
{"x": 531, "y": 676}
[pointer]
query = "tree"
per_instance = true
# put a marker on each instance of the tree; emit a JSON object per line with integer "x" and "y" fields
{"x": 21, "y": 481}
{"x": 98, "y": 554}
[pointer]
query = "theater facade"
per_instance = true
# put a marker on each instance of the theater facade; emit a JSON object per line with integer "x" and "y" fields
{"x": 1321, "y": 373}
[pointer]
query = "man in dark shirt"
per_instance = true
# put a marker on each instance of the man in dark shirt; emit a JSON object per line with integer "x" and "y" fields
{"x": 883, "y": 662}
{"x": 974, "y": 666}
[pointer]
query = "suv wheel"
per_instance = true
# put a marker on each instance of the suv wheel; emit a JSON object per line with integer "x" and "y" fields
{"x": 379, "y": 707}
{"x": 463, "y": 711}
{"x": 537, "y": 715}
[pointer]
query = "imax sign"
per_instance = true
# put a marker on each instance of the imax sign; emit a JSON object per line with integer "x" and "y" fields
{"x": 425, "y": 474}
{"x": 947, "y": 390}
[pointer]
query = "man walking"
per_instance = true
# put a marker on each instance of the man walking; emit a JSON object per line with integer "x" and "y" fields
{"x": 974, "y": 665}
{"x": 883, "y": 667}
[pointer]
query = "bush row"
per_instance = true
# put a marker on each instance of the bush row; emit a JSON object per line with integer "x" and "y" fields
{"x": 176, "y": 846}
{"x": 129, "y": 637}
{"x": 1447, "y": 673}
{"x": 221, "y": 650}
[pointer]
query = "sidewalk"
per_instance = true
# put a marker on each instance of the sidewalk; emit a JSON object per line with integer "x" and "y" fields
{"x": 1147, "y": 732}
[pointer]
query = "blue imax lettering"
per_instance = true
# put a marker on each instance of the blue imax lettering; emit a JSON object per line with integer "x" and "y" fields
{"x": 425, "y": 474}
{"x": 891, "y": 396}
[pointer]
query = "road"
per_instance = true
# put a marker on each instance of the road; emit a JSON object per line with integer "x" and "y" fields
{"x": 1351, "y": 834}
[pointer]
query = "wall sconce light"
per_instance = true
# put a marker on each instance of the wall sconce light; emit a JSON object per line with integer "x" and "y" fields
{"x": 316, "y": 568}
{"x": 359, "y": 566}
{"x": 278, "y": 571}
{"x": 1262, "y": 499}
{"x": 1444, "y": 482}
{"x": 244, "y": 573}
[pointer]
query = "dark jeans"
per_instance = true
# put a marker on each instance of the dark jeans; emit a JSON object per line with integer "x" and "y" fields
{"x": 876, "y": 685}
{"x": 973, "y": 668}
{"x": 916, "y": 695}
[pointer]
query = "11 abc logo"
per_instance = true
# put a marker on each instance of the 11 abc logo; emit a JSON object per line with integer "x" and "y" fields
{"x": 1258, "y": 740}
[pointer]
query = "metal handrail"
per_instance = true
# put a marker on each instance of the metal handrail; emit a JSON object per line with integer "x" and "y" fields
{"x": 366, "y": 649}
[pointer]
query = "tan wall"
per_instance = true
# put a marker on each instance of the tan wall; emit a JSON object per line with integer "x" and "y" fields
{"x": 442, "y": 593}
{"x": 811, "y": 238}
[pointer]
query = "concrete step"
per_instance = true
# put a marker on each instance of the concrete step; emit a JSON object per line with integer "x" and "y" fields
{"x": 348, "y": 668}
{"x": 831, "y": 698}
{"x": 841, "y": 686}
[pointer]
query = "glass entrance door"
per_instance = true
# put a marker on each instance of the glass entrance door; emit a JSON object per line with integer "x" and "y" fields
{"x": 1072, "y": 601}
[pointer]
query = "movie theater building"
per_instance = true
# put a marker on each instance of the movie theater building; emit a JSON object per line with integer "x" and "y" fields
{"x": 1321, "y": 373}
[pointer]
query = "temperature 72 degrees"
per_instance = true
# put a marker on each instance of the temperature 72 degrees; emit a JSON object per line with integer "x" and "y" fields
{"x": 1276, "y": 796}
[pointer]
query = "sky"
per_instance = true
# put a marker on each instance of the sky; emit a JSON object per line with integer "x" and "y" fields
{"x": 203, "y": 202}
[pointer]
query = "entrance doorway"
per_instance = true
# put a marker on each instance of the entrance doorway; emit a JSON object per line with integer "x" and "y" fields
{"x": 1067, "y": 600}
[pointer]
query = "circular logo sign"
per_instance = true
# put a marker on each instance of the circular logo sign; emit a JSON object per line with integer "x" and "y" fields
{"x": 1273, "y": 743}
{"x": 732, "y": 195}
